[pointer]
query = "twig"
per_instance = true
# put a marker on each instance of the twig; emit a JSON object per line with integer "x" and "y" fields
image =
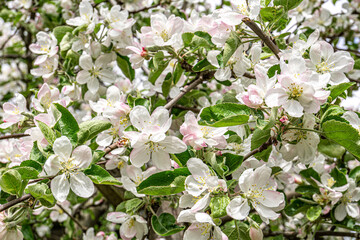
{"x": 146, "y": 8}
{"x": 72, "y": 218}
{"x": 14, "y": 202}
{"x": 7, "y": 40}
{"x": 273, "y": 47}
{"x": 20, "y": 135}
{"x": 263, "y": 147}
{"x": 195, "y": 110}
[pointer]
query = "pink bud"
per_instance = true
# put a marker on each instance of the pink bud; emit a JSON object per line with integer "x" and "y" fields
{"x": 256, "y": 233}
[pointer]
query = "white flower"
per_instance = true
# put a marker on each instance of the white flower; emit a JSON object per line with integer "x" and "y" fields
{"x": 298, "y": 89}
{"x": 131, "y": 226}
{"x": 202, "y": 226}
{"x": 348, "y": 205}
{"x": 45, "y": 97}
{"x": 163, "y": 31}
{"x": 118, "y": 20}
{"x": 46, "y": 46}
{"x": 133, "y": 176}
{"x": 241, "y": 9}
{"x": 330, "y": 66}
{"x": 258, "y": 188}
{"x": 151, "y": 142}
{"x": 69, "y": 163}
{"x": 13, "y": 111}
{"x": 88, "y": 16}
{"x": 93, "y": 71}
{"x": 301, "y": 144}
{"x": 46, "y": 69}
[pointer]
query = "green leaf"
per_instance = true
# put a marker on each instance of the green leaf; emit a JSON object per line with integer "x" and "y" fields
{"x": 90, "y": 129}
{"x": 27, "y": 172}
{"x": 339, "y": 177}
{"x": 233, "y": 233}
{"x": 60, "y": 31}
{"x": 166, "y": 85}
{"x": 231, "y": 45}
{"x": 10, "y": 181}
{"x": 331, "y": 148}
{"x": 67, "y": 124}
{"x": 218, "y": 206}
{"x": 296, "y": 206}
{"x": 310, "y": 173}
{"x": 337, "y": 90}
{"x": 271, "y": 14}
{"x": 232, "y": 161}
{"x": 164, "y": 225}
{"x": 202, "y": 66}
{"x": 307, "y": 190}
{"x": 47, "y": 132}
{"x": 97, "y": 156}
{"x": 185, "y": 156}
{"x": 132, "y": 205}
{"x": 343, "y": 134}
{"x": 33, "y": 164}
{"x": 178, "y": 72}
{"x": 224, "y": 115}
{"x": 27, "y": 232}
{"x": 287, "y": 4}
{"x": 36, "y": 154}
{"x": 164, "y": 183}
{"x": 125, "y": 66}
{"x": 355, "y": 173}
{"x": 259, "y": 138}
{"x": 357, "y": 64}
{"x": 100, "y": 176}
{"x": 42, "y": 192}
{"x": 333, "y": 112}
{"x": 313, "y": 213}
{"x": 159, "y": 65}
{"x": 197, "y": 39}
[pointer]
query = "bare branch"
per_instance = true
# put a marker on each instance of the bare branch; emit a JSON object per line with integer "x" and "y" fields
{"x": 14, "y": 202}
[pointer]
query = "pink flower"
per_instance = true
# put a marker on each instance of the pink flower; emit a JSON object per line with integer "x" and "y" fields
{"x": 201, "y": 136}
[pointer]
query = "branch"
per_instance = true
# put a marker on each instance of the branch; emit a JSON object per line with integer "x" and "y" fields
{"x": 14, "y": 202}
{"x": 263, "y": 147}
{"x": 273, "y": 47}
{"x": 20, "y": 135}
{"x": 72, "y": 218}
{"x": 195, "y": 110}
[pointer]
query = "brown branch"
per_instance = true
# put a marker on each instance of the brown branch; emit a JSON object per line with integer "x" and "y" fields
{"x": 263, "y": 147}
{"x": 20, "y": 135}
{"x": 147, "y": 8}
{"x": 14, "y": 202}
{"x": 195, "y": 110}
{"x": 253, "y": 26}
{"x": 72, "y": 218}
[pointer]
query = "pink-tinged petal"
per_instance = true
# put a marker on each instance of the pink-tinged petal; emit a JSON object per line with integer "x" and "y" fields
{"x": 40, "y": 60}
{"x": 238, "y": 208}
{"x": 82, "y": 156}
{"x": 353, "y": 210}
{"x": 161, "y": 160}
{"x": 117, "y": 217}
{"x": 139, "y": 156}
{"x": 140, "y": 117}
{"x": 86, "y": 62}
{"x": 293, "y": 108}
{"x": 104, "y": 139}
{"x": 44, "y": 91}
{"x": 340, "y": 212}
{"x": 276, "y": 97}
{"x": 127, "y": 230}
{"x": 60, "y": 187}
{"x": 173, "y": 144}
{"x": 63, "y": 148}
{"x": 52, "y": 165}
{"x": 266, "y": 212}
{"x": 9, "y": 108}
{"x": 232, "y": 18}
{"x": 81, "y": 185}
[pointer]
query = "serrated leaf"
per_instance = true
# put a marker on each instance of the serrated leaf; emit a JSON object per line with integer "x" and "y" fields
{"x": 343, "y": 134}
{"x": 42, "y": 192}
{"x": 47, "y": 132}
{"x": 10, "y": 181}
{"x": 36, "y": 154}
{"x": 296, "y": 206}
{"x": 164, "y": 225}
{"x": 100, "y": 176}
{"x": 90, "y": 129}
{"x": 125, "y": 66}
{"x": 313, "y": 213}
{"x": 164, "y": 183}
{"x": 33, "y": 164}
{"x": 67, "y": 124}
{"x": 224, "y": 115}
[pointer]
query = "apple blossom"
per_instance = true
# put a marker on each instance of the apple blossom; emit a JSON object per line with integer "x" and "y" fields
{"x": 260, "y": 190}
{"x": 131, "y": 226}
{"x": 46, "y": 46}
{"x": 70, "y": 163}
{"x": 348, "y": 205}
{"x": 88, "y": 17}
{"x": 13, "y": 111}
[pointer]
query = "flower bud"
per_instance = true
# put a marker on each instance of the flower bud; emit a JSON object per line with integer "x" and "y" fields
{"x": 256, "y": 233}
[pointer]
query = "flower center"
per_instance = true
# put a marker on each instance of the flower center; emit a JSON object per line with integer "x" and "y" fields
{"x": 295, "y": 91}
{"x": 204, "y": 227}
{"x": 154, "y": 147}
{"x": 330, "y": 182}
{"x": 323, "y": 67}
{"x": 68, "y": 166}
{"x": 164, "y": 35}
{"x": 243, "y": 9}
